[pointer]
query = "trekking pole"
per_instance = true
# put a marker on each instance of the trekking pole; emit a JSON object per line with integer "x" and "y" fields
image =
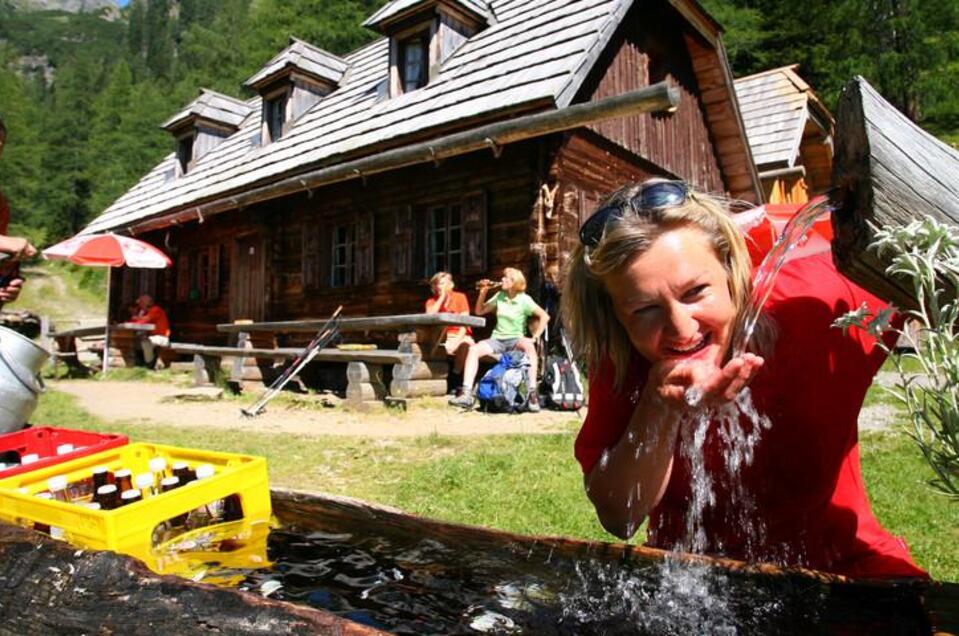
{"x": 327, "y": 332}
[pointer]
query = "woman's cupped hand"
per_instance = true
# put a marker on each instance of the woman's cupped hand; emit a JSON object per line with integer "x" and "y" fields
{"x": 670, "y": 379}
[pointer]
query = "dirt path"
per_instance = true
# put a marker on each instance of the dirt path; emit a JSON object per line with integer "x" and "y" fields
{"x": 143, "y": 402}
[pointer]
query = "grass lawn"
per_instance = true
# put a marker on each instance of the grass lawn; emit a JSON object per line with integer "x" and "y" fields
{"x": 528, "y": 484}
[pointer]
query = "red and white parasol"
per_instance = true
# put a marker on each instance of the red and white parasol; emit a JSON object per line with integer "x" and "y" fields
{"x": 111, "y": 250}
{"x": 108, "y": 250}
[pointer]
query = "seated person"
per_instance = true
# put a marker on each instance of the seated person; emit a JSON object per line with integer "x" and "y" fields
{"x": 458, "y": 339}
{"x": 152, "y": 314}
{"x": 513, "y": 309}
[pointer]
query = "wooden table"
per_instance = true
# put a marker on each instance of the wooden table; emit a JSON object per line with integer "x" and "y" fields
{"x": 418, "y": 336}
{"x": 125, "y": 336}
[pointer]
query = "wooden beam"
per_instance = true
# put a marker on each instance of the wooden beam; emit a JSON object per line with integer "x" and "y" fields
{"x": 888, "y": 172}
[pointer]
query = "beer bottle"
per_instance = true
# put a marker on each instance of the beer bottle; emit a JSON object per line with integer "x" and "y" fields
{"x": 58, "y": 488}
{"x": 128, "y": 497}
{"x": 182, "y": 470}
{"x": 101, "y": 477}
{"x": 144, "y": 483}
{"x": 207, "y": 513}
{"x": 158, "y": 468}
{"x": 123, "y": 479}
{"x": 108, "y": 497}
{"x": 232, "y": 508}
{"x": 168, "y": 484}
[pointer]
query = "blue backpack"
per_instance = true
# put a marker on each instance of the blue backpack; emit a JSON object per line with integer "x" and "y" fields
{"x": 505, "y": 387}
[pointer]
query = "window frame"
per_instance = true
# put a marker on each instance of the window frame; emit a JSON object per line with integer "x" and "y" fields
{"x": 421, "y": 37}
{"x": 448, "y": 258}
{"x": 349, "y": 264}
{"x": 185, "y": 146}
{"x": 275, "y": 105}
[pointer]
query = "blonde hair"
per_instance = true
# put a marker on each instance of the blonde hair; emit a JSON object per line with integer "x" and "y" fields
{"x": 519, "y": 280}
{"x": 438, "y": 276}
{"x": 586, "y": 306}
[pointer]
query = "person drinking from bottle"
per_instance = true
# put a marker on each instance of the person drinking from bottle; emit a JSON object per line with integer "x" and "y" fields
{"x": 458, "y": 338}
{"x": 654, "y": 296}
{"x": 513, "y": 309}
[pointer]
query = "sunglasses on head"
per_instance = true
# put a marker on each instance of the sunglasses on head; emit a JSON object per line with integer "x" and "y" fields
{"x": 651, "y": 196}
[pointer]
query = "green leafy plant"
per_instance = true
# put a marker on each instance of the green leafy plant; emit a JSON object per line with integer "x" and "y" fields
{"x": 924, "y": 254}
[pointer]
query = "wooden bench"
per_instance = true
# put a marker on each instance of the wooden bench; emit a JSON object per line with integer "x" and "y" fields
{"x": 364, "y": 371}
{"x": 419, "y": 336}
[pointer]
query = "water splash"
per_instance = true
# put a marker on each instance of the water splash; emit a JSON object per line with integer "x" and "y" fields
{"x": 794, "y": 234}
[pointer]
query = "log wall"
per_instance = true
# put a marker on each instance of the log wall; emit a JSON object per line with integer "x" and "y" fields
{"x": 643, "y": 52}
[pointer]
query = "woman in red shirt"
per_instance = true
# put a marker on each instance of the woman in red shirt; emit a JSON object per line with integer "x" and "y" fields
{"x": 458, "y": 339}
{"x": 653, "y": 297}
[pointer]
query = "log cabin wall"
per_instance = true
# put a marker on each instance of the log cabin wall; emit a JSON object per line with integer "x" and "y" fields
{"x": 296, "y": 235}
{"x": 650, "y": 47}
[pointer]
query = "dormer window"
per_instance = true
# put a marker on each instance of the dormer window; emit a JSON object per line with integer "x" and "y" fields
{"x": 292, "y": 82}
{"x": 423, "y": 34}
{"x": 414, "y": 56}
{"x": 184, "y": 152}
{"x": 203, "y": 125}
{"x": 274, "y": 116}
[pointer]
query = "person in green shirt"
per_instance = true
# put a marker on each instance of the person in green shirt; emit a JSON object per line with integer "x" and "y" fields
{"x": 513, "y": 308}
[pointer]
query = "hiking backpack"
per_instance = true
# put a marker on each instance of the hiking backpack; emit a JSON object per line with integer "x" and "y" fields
{"x": 505, "y": 387}
{"x": 562, "y": 384}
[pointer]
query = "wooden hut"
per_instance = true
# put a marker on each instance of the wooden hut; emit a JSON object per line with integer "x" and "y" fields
{"x": 258, "y": 232}
{"x": 790, "y": 132}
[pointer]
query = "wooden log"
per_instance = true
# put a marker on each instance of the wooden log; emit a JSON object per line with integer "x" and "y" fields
{"x": 887, "y": 172}
{"x": 364, "y": 392}
{"x": 364, "y": 382}
{"x": 437, "y": 370}
{"x": 417, "y": 388}
{"x": 50, "y": 587}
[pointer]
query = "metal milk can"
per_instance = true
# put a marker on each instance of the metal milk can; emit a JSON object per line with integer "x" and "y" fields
{"x": 20, "y": 385}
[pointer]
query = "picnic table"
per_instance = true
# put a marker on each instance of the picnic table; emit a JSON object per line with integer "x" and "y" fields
{"x": 419, "y": 363}
{"x": 123, "y": 336}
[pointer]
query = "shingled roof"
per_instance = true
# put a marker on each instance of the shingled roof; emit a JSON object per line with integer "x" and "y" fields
{"x": 776, "y": 106}
{"x": 212, "y": 106}
{"x": 534, "y": 57}
{"x": 397, "y": 9}
{"x": 305, "y": 57}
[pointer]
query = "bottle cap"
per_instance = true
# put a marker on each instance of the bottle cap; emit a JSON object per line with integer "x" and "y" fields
{"x": 106, "y": 489}
{"x": 63, "y": 449}
{"x": 123, "y": 472}
{"x": 59, "y": 482}
{"x": 29, "y": 458}
{"x": 144, "y": 480}
{"x": 92, "y": 505}
{"x": 157, "y": 464}
{"x": 180, "y": 466}
{"x": 44, "y": 495}
{"x": 99, "y": 470}
{"x": 205, "y": 470}
{"x": 170, "y": 481}
{"x": 133, "y": 493}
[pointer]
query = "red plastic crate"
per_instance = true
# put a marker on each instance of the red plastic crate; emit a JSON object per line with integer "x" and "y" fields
{"x": 44, "y": 441}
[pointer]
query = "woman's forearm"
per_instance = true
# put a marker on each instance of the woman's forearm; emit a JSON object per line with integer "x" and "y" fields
{"x": 631, "y": 477}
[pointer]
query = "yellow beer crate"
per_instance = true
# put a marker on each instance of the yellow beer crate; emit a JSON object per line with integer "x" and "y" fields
{"x": 130, "y": 529}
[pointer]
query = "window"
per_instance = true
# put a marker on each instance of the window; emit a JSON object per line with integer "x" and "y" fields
{"x": 414, "y": 53}
{"x": 274, "y": 116}
{"x": 344, "y": 255}
{"x": 445, "y": 239}
{"x": 184, "y": 152}
{"x": 198, "y": 274}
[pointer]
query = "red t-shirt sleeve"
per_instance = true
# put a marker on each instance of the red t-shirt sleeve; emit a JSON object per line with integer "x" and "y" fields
{"x": 609, "y": 410}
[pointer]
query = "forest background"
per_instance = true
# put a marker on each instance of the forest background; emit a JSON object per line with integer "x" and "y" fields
{"x": 83, "y": 94}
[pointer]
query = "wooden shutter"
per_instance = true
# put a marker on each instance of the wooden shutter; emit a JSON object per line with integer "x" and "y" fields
{"x": 212, "y": 291}
{"x": 324, "y": 232}
{"x": 402, "y": 243}
{"x": 183, "y": 276}
{"x": 365, "y": 247}
{"x": 474, "y": 233}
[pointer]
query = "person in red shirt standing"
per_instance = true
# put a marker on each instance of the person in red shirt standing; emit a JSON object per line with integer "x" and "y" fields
{"x": 153, "y": 314}
{"x": 458, "y": 339}
{"x": 13, "y": 248}
{"x": 654, "y": 296}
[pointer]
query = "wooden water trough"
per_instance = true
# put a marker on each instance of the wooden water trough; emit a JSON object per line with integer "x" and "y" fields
{"x": 50, "y": 587}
